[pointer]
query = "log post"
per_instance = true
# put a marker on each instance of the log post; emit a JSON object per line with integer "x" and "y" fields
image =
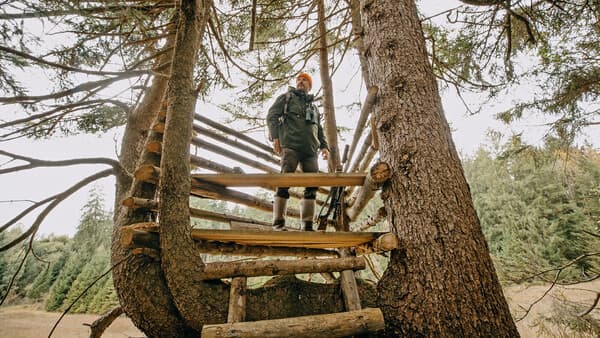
{"x": 215, "y": 191}
{"x": 223, "y": 139}
{"x": 232, "y": 132}
{"x": 373, "y": 220}
{"x": 280, "y": 267}
{"x": 343, "y": 324}
{"x": 362, "y": 121}
{"x": 237, "y": 300}
{"x": 379, "y": 173}
{"x": 232, "y": 155}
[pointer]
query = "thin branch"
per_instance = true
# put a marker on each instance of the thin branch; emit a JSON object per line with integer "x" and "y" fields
{"x": 60, "y": 108}
{"x": 592, "y": 307}
{"x": 56, "y": 200}
{"x": 63, "y": 66}
{"x": 36, "y": 163}
{"x": 78, "y": 11}
{"x": 87, "y": 86}
{"x": 98, "y": 327}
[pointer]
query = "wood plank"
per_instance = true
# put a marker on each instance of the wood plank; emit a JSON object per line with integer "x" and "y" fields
{"x": 298, "y": 239}
{"x": 315, "y": 239}
{"x": 343, "y": 324}
{"x": 283, "y": 180}
{"x": 280, "y": 267}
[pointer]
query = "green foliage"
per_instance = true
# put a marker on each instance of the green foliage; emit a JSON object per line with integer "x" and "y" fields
{"x": 69, "y": 266}
{"x": 538, "y": 207}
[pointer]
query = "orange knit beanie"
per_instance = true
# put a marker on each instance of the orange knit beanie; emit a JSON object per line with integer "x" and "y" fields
{"x": 307, "y": 77}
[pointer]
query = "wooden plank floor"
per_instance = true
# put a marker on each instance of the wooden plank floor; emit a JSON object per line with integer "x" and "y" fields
{"x": 293, "y": 239}
{"x": 283, "y": 180}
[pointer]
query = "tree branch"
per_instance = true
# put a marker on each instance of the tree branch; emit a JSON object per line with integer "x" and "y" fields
{"x": 87, "y": 86}
{"x": 36, "y": 163}
{"x": 57, "y": 199}
{"x": 66, "y": 67}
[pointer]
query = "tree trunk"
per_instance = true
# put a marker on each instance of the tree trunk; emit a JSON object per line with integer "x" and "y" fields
{"x": 441, "y": 282}
{"x": 140, "y": 276}
{"x": 180, "y": 260}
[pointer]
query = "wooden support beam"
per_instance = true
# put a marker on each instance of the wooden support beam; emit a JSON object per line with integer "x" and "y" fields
{"x": 269, "y": 157}
{"x": 379, "y": 173}
{"x": 343, "y": 324}
{"x": 349, "y": 286}
{"x": 280, "y": 267}
{"x": 237, "y": 300}
{"x": 135, "y": 203}
{"x": 232, "y": 249}
{"x": 218, "y": 192}
{"x": 211, "y": 165}
{"x": 232, "y": 132}
{"x": 142, "y": 239}
{"x": 226, "y": 218}
{"x": 362, "y": 121}
{"x": 232, "y": 155}
{"x": 363, "y": 150}
{"x": 373, "y": 220}
{"x": 283, "y": 180}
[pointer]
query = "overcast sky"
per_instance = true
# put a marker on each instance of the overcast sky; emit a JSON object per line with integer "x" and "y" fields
{"x": 20, "y": 188}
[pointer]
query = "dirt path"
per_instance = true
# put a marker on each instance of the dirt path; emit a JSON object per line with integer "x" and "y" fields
{"x": 29, "y": 322}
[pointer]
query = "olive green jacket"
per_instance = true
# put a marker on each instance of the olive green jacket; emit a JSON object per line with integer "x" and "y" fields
{"x": 300, "y": 127}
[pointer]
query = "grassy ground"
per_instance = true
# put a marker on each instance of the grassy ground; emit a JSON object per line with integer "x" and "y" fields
{"x": 30, "y": 322}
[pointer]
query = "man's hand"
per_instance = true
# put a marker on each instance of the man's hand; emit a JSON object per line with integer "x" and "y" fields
{"x": 276, "y": 147}
{"x": 325, "y": 153}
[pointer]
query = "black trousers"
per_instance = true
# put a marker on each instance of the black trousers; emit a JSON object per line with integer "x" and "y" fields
{"x": 289, "y": 162}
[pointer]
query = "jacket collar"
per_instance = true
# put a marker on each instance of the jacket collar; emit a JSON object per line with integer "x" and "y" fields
{"x": 301, "y": 94}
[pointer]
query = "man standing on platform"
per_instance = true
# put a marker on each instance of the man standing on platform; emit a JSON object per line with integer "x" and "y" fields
{"x": 295, "y": 129}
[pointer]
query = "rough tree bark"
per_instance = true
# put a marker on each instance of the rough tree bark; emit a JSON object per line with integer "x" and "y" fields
{"x": 441, "y": 282}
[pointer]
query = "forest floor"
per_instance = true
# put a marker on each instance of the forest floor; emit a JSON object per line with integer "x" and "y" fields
{"x": 28, "y": 321}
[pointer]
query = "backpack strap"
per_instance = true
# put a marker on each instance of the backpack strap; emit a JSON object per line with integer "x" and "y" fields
{"x": 288, "y": 97}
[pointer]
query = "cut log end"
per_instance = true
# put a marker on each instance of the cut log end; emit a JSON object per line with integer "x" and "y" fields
{"x": 380, "y": 172}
